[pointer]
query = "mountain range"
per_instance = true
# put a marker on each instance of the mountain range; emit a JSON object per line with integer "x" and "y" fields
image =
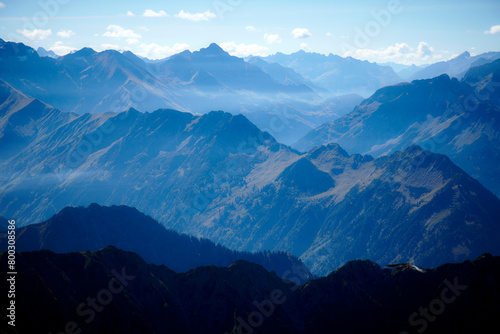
{"x": 116, "y": 291}
{"x": 405, "y": 72}
{"x": 96, "y": 227}
{"x": 444, "y": 115}
{"x": 218, "y": 176}
{"x": 337, "y": 74}
{"x": 87, "y": 81}
{"x": 46, "y": 53}
{"x": 285, "y": 95}
{"x": 207, "y": 193}
{"x": 455, "y": 67}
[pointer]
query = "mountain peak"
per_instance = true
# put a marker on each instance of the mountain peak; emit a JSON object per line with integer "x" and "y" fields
{"x": 304, "y": 176}
{"x": 213, "y": 50}
{"x": 332, "y": 147}
{"x": 12, "y": 49}
{"x": 84, "y": 52}
{"x": 46, "y": 53}
{"x": 465, "y": 54}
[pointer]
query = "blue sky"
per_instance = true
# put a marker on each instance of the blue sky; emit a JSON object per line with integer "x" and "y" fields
{"x": 403, "y": 31}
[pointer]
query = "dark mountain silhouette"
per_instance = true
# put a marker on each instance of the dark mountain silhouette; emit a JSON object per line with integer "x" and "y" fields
{"x": 447, "y": 116}
{"x": 95, "y": 227}
{"x": 116, "y": 291}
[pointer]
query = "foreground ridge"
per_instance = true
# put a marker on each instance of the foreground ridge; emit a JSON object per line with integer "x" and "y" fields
{"x": 113, "y": 290}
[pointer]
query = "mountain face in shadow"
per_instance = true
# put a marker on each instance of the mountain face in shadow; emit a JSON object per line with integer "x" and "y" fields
{"x": 218, "y": 176}
{"x": 95, "y": 227}
{"x": 116, "y": 291}
{"x": 23, "y": 119}
{"x": 447, "y": 116}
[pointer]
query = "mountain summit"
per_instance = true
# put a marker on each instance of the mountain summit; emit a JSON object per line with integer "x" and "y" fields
{"x": 213, "y": 50}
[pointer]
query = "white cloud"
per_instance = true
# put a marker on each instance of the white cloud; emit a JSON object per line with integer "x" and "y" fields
{"x": 205, "y": 16}
{"x": 301, "y": 33}
{"x": 244, "y": 50}
{"x": 425, "y": 49}
{"x": 155, "y": 51}
{"x": 493, "y": 30}
{"x": 305, "y": 47}
{"x": 329, "y": 34}
{"x": 132, "y": 40}
{"x": 2, "y": 5}
{"x": 250, "y": 28}
{"x": 152, "y": 13}
{"x": 65, "y": 33}
{"x": 60, "y": 49}
{"x": 400, "y": 53}
{"x": 272, "y": 39}
{"x": 35, "y": 34}
{"x": 116, "y": 31}
{"x": 129, "y": 13}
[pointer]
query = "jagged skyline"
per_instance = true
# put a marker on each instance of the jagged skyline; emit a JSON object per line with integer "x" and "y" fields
{"x": 400, "y": 31}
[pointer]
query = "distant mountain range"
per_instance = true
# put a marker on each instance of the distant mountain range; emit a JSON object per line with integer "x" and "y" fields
{"x": 405, "y": 72}
{"x": 44, "y": 53}
{"x": 116, "y": 291}
{"x": 218, "y": 176}
{"x": 337, "y": 74}
{"x": 83, "y": 81}
{"x": 455, "y": 67}
{"x": 96, "y": 227}
{"x": 275, "y": 98}
{"x": 447, "y": 116}
{"x": 286, "y": 95}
